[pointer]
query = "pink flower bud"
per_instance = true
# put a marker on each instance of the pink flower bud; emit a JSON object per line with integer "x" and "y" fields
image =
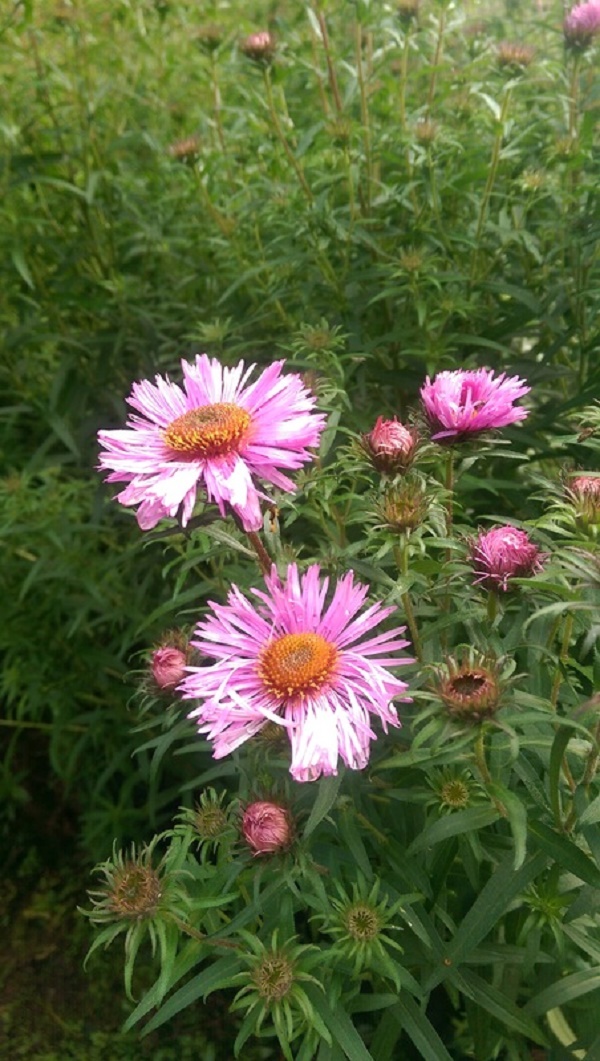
{"x": 390, "y": 446}
{"x": 582, "y": 24}
{"x": 503, "y": 553}
{"x": 267, "y": 827}
{"x": 584, "y": 492}
{"x": 168, "y": 666}
{"x": 259, "y": 47}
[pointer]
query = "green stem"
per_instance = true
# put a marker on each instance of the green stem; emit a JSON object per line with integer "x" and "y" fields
{"x": 282, "y": 138}
{"x": 402, "y": 557}
{"x": 15, "y": 723}
{"x": 364, "y": 114}
{"x": 562, "y": 658}
{"x": 484, "y": 770}
{"x": 200, "y": 937}
{"x": 436, "y": 58}
{"x": 330, "y": 67}
{"x": 492, "y": 606}
{"x": 491, "y": 179}
{"x": 449, "y": 484}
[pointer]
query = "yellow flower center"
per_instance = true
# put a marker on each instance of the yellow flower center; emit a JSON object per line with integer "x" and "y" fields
{"x": 209, "y": 431}
{"x": 297, "y": 664}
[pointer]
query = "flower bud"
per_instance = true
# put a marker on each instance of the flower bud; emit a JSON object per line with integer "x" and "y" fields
{"x": 584, "y": 493}
{"x": 404, "y": 506}
{"x": 168, "y": 666}
{"x": 582, "y": 24}
{"x": 390, "y": 446}
{"x": 267, "y": 827}
{"x": 185, "y": 150}
{"x": 260, "y": 47}
{"x": 504, "y": 553}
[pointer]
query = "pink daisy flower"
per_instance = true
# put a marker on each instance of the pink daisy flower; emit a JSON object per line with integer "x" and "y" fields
{"x": 582, "y": 24}
{"x": 306, "y": 665}
{"x": 503, "y": 553}
{"x": 464, "y": 403}
{"x": 218, "y": 430}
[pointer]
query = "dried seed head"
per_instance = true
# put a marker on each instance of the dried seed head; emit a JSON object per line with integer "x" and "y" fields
{"x": 470, "y": 688}
{"x": 273, "y": 976}
{"x": 513, "y": 56}
{"x": 186, "y": 150}
{"x": 404, "y": 506}
{"x": 362, "y": 922}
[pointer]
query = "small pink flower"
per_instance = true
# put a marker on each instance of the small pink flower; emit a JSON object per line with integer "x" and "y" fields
{"x": 503, "y": 553}
{"x": 168, "y": 666}
{"x": 464, "y": 403}
{"x": 292, "y": 659}
{"x": 267, "y": 827}
{"x": 582, "y": 24}
{"x": 390, "y": 446}
{"x": 220, "y": 431}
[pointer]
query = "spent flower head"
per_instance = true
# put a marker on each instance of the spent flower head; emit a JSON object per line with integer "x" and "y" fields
{"x": 472, "y": 685}
{"x": 220, "y": 431}
{"x": 514, "y": 56}
{"x": 463, "y": 404}
{"x": 502, "y": 554}
{"x": 583, "y": 494}
{"x": 404, "y": 505}
{"x": 454, "y": 789}
{"x": 210, "y": 822}
{"x": 311, "y": 667}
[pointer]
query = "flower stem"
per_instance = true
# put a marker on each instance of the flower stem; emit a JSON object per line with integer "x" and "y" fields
{"x": 264, "y": 560}
{"x": 282, "y": 138}
{"x": 491, "y": 178}
{"x": 562, "y": 657}
{"x": 449, "y": 484}
{"x": 402, "y": 562}
{"x": 364, "y": 114}
{"x": 484, "y": 770}
{"x": 436, "y": 58}
{"x": 330, "y": 67}
{"x": 200, "y": 937}
{"x": 492, "y": 606}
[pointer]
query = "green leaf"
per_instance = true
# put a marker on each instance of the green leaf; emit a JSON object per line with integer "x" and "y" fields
{"x": 327, "y": 790}
{"x": 591, "y": 814}
{"x": 504, "y": 885}
{"x": 341, "y": 1027}
{"x": 420, "y": 1029}
{"x": 563, "y": 991}
{"x": 565, "y": 853}
{"x": 517, "y": 817}
{"x": 559, "y": 746}
{"x": 462, "y": 821}
{"x": 502, "y": 1007}
{"x": 217, "y": 975}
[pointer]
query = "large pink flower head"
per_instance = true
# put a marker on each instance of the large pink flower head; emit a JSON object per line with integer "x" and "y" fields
{"x": 582, "y": 24}
{"x": 464, "y": 403}
{"x": 218, "y": 430}
{"x": 503, "y": 553}
{"x": 304, "y": 664}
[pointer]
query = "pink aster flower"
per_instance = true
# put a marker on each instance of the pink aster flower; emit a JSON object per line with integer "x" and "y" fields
{"x": 308, "y": 666}
{"x": 464, "y": 403}
{"x": 503, "y": 553}
{"x": 582, "y": 24}
{"x": 219, "y": 430}
{"x": 267, "y": 827}
{"x": 390, "y": 446}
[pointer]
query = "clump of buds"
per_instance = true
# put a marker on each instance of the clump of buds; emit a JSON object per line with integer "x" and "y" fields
{"x": 267, "y": 827}
{"x": 470, "y": 688}
{"x": 260, "y": 47}
{"x": 390, "y": 446}
{"x": 514, "y": 56}
{"x": 504, "y": 553}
